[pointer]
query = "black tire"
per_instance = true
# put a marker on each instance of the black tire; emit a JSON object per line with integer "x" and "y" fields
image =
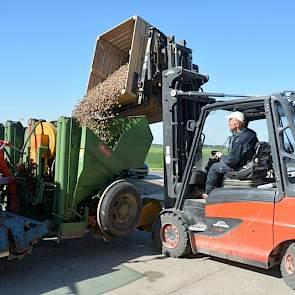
{"x": 120, "y": 210}
{"x": 288, "y": 266}
{"x": 170, "y": 236}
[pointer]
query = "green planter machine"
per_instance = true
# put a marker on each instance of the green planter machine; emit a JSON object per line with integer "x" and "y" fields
{"x": 60, "y": 180}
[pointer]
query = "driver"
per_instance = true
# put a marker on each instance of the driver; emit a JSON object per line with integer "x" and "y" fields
{"x": 241, "y": 150}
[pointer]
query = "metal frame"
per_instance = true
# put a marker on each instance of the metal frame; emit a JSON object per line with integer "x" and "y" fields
{"x": 180, "y": 115}
{"x": 288, "y": 188}
{"x": 205, "y": 111}
{"x": 177, "y": 175}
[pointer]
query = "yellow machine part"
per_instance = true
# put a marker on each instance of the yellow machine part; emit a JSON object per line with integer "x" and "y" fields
{"x": 45, "y": 135}
{"x": 150, "y": 210}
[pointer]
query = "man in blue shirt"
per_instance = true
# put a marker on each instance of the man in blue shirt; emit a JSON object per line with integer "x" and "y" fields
{"x": 241, "y": 150}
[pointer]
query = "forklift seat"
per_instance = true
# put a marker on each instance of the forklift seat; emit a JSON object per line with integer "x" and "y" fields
{"x": 255, "y": 171}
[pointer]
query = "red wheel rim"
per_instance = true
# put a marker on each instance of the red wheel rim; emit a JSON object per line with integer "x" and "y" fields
{"x": 289, "y": 264}
{"x": 169, "y": 236}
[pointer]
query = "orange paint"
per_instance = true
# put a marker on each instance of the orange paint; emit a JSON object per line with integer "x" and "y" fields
{"x": 252, "y": 239}
{"x": 284, "y": 224}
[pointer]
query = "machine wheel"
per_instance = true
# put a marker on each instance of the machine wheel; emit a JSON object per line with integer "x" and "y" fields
{"x": 288, "y": 266}
{"x": 171, "y": 235}
{"x": 119, "y": 209}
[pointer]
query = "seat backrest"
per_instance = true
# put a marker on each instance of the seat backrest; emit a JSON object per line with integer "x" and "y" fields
{"x": 262, "y": 151}
{"x": 258, "y": 166}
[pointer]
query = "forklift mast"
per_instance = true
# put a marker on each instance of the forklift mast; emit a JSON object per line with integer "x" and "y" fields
{"x": 180, "y": 115}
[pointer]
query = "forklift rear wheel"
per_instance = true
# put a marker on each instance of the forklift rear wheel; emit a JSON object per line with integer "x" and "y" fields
{"x": 173, "y": 235}
{"x": 119, "y": 211}
{"x": 288, "y": 266}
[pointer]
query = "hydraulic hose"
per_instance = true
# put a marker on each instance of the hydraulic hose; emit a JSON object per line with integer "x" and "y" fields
{"x": 27, "y": 140}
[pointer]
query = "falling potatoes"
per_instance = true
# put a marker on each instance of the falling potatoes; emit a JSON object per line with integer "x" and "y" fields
{"x": 96, "y": 109}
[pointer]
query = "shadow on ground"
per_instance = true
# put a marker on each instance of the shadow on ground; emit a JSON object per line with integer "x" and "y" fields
{"x": 52, "y": 266}
{"x": 274, "y": 271}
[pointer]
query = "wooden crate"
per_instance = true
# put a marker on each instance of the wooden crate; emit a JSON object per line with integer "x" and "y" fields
{"x": 126, "y": 43}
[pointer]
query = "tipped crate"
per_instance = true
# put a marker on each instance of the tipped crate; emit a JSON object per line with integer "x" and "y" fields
{"x": 126, "y": 43}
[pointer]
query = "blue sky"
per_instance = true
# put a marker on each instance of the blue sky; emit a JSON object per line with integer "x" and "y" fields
{"x": 47, "y": 47}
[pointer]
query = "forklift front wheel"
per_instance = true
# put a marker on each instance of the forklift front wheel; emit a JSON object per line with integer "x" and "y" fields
{"x": 172, "y": 233}
{"x": 288, "y": 266}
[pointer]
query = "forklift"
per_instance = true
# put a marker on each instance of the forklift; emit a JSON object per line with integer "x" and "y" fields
{"x": 249, "y": 218}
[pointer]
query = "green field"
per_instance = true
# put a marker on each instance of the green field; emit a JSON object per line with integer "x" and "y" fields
{"x": 155, "y": 156}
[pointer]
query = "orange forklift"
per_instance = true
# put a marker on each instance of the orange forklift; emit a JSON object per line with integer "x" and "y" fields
{"x": 250, "y": 217}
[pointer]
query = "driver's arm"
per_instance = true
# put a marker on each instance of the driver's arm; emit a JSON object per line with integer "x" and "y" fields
{"x": 235, "y": 155}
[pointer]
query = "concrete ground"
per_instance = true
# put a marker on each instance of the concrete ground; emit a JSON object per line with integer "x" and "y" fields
{"x": 128, "y": 266}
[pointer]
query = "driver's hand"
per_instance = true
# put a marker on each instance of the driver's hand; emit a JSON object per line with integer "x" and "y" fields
{"x": 218, "y": 155}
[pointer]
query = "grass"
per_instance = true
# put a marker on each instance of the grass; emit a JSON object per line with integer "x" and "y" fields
{"x": 155, "y": 156}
